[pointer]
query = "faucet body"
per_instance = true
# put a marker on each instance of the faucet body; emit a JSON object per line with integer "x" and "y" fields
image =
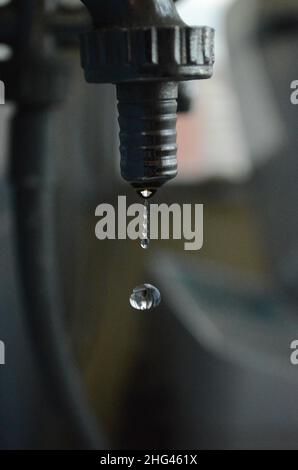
{"x": 145, "y": 49}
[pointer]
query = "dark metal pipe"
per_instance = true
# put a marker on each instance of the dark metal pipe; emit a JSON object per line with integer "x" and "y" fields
{"x": 35, "y": 224}
{"x": 37, "y": 82}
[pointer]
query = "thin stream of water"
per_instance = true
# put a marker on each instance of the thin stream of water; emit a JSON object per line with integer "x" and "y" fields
{"x": 145, "y": 296}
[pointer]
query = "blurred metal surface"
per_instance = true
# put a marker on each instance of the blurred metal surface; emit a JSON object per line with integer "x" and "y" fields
{"x": 265, "y": 66}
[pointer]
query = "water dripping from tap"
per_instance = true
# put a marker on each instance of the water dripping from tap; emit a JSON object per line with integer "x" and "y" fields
{"x": 145, "y": 235}
{"x": 145, "y": 296}
{"x": 146, "y": 194}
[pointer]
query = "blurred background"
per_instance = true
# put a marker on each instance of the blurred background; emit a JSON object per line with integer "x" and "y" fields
{"x": 210, "y": 367}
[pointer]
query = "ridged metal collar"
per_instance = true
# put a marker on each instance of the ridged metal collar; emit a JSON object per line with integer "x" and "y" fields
{"x": 154, "y": 53}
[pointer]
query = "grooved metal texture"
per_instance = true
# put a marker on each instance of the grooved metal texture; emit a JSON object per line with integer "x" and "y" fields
{"x": 155, "y": 53}
{"x": 148, "y": 132}
{"x": 145, "y": 48}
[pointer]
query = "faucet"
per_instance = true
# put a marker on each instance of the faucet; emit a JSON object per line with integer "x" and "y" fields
{"x": 145, "y": 49}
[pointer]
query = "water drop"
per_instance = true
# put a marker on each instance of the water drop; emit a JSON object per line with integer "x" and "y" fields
{"x": 145, "y": 297}
{"x": 146, "y": 193}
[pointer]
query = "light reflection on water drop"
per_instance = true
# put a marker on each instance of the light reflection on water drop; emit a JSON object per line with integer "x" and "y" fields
{"x": 145, "y": 297}
{"x": 146, "y": 193}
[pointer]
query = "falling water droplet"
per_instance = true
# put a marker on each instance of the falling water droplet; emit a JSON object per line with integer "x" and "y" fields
{"x": 145, "y": 297}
